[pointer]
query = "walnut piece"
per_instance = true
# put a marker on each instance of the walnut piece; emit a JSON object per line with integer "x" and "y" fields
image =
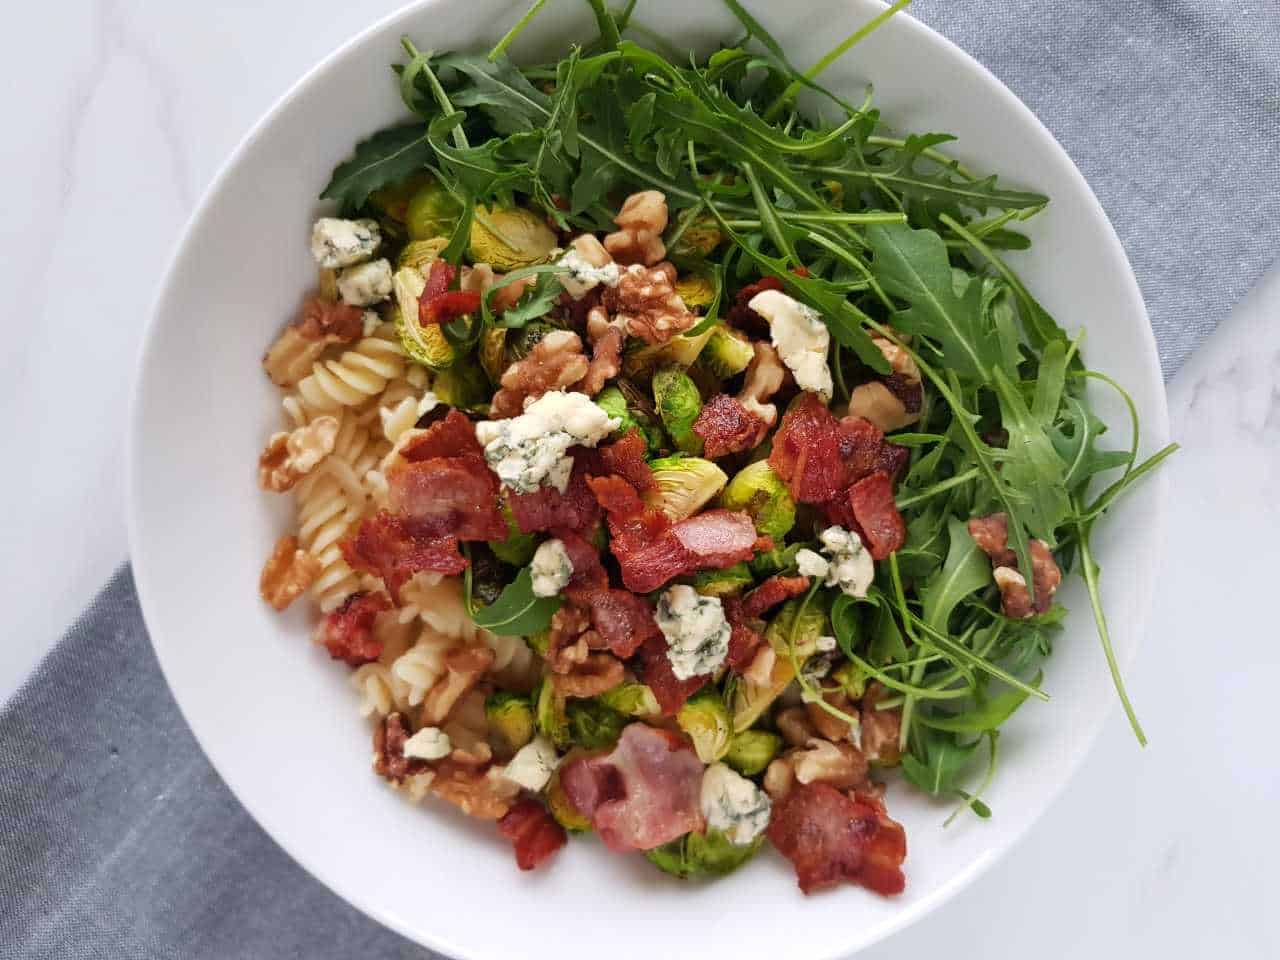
{"x": 464, "y": 666}
{"x": 606, "y": 353}
{"x": 645, "y": 300}
{"x": 760, "y": 670}
{"x": 289, "y": 457}
{"x": 485, "y": 794}
{"x": 287, "y": 573}
{"x": 779, "y": 778}
{"x": 794, "y": 725}
{"x": 555, "y": 363}
{"x": 596, "y": 674}
{"x": 840, "y": 764}
{"x": 321, "y": 324}
{"x": 389, "y": 760}
{"x": 468, "y": 730}
{"x": 591, "y": 250}
{"x": 570, "y": 633}
{"x": 763, "y": 379}
{"x": 828, "y": 724}
{"x": 641, "y": 221}
{"x": 896, "y": 401}
{"x": 481, "y": 277}
{"x": 880, "y": 728}
{"x": 991, "y": 534}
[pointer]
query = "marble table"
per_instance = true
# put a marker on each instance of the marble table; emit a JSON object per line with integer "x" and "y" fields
{"x": 120, "y": 112}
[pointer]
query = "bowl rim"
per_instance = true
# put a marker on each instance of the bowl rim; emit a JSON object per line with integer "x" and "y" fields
{"x": 1155, "y": 427}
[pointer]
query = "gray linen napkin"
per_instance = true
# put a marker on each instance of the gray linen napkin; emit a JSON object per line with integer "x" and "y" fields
{"x": 116, "y": 837}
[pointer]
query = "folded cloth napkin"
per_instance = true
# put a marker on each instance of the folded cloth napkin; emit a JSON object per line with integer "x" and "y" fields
{"x": 116, "y": 837}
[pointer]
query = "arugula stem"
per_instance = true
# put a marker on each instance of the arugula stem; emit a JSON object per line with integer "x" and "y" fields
{"x": 934, "y": 154}
{"x": 437, "y": 91}
{"x": 836, "y": 52}
{"x": 940, "y": 487}
{"x": 516, "y": 30}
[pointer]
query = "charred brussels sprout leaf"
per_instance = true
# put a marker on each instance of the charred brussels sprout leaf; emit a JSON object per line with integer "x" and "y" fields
{"x": 594, "y": 725}
{"x": 632, "y": 699}
{"x": 683, "y": 485}
{"x": 751, "y": 751}
{"x": 549, "y": 715}
{"x": 508, "y": 238}
{"x": 431, "y": 213}
{"x": 678, "y": 403}
{"x": 702, "y": 855}
{"x": 705, "y": 719}
{"x": 762, "y": 494}
{"x": 723, "y": 583}
{"x": 510, "y": 718}
{"x": 726, "y": 354}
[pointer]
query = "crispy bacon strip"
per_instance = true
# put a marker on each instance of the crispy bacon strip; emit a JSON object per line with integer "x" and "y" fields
{"x": 388, "y": 547}
{"x": 547, "y": 508}
{"x": 348, "y": 634}
{"x": 832, "y": 838}
{"x": 745, "y": 638}
{"x": 651, "y": 551}
{"x": 806, "y": 451}
{"x": 454, "y": 436}
{"x": 533, "y": 833}
{"x": 447, "y": 496}
{"x": 726, "y": 427}
{"x": 773, "y": 592}
{"x": 882, "y": 526}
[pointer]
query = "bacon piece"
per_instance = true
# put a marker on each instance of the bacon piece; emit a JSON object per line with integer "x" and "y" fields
{"x": 830, "y": 838}
{"x": 892, "y": 459}
{"x": 991, "y": 534}
{"x": 533, "y": 832}
{"x": 625, "y": 457}
{"x": 882, "y": 526}
{"x": 773, "y": 592}
{"x": 643, "y": 794}
{"x": 547, "y": 508}
{"x": 654, "y": 669}
{"x": 623, "y": 620}
{"x": 347, "y": 633}
{"x": 807, "y": 451}
{"x": 386, "y": 546}
{"x": 616, "y": 496}
{"x": 726, "y": 427}
{"x": 865, "y": 450}
{"x": 447, "y": 496}
{"x": 744, "y": 636}
{"x": 389, "y": 760}
{"x": 740, "y": 315}
{"x": 650, "y": 552}
{"x": 585, "y": 557}
{"x": 454, "y": 436}
{"x": 330, "y": 321}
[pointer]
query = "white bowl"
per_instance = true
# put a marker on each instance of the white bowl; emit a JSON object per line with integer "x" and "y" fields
{"x": 278, "y": 719}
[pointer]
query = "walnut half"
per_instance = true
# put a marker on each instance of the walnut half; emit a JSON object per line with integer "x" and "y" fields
{"x": 555, "y": 363}
{"x": 287, "y": 573}
{"x": 645, "y": 300}
{"x": 289, "y": 457}
{"x": 640, "y": 222}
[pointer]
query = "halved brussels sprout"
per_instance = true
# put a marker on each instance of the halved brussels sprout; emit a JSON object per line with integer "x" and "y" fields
{"x": 424, "y": 343}
{"x": 593, "y": 724}
{"x": 641, "y": 359}
{"x": 700, "y": 239}
{"x": 726, "y": 354}
{"x": 678, "y": 403}
{"x": 393, "y": 202}
{"x": 696, "y": 290}
{"x": 683, "y": 485}
{"x": 705, "y": 718}
{"x": 784, "y": 633}
{"x": 431, "y": 212}
{"x": 463, "y": 385}
{"x": 632, "y": 699}
{"x": 420, "y": 254}
{"x": 549, "y": 715}
{"x": 750, "y": 700}
{"x": 723, "y": 583}
{"x": 518, "y": 548}
{"x": 510, "y": 719}
{"x": 613, "y": 402}
{"x": 709, "y": 854}
{"x": 559, "y": 805}
{"x": 520, "y": 342}
{"x": 508, "y": 238}
{"x": 751, "y": 751}
{"x": 491, "y": 352}
{"x": 762, "y": 494}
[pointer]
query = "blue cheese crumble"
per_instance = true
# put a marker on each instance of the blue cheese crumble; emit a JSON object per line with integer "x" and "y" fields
{"x": 366, "y": 283}
{"x": 551, "y": 568}
{"x": 734, "y": 805}
{"x": 811, "y": 564}
{"x": 696, "y": 630}
{"x": 581, "y": 276}
{"x": 851, "y": 566}
{"x": 800, "y": 337}
{"x": 532, "y": 450}
{"x": 343, "y": 243}
{"x": 429, "y": 743}
{"x": 533, "y": 764}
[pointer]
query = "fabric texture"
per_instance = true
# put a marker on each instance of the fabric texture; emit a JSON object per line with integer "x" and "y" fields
{"x": 117, "y": 839}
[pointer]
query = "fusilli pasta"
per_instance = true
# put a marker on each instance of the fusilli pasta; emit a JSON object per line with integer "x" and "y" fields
{"x": 357, "y": 375}
{"x": 422, "y": 665}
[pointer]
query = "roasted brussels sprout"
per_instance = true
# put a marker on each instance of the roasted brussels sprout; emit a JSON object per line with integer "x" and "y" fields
{"x": 726, "y": 354}
{"x": 510, "y": 719}
{"x": 723, "y": 583}
{"x": 520, "y": 342}
{"x": 508, "y": 238}
{"x": 679, "y": 403}
{"x": 762, "y": 494}
{"x": 594, "y": 725}
{"x": 852, "y": 679}
{"x": 392, "y": 203}
{"x": 777, "y": 560}
{"x": 632, "y": 699}
{"x": 709, "y": 854}
{"x": 683, "y": 485}
{"x": 424, "y": 343}
{"x": 696, "y": 290}
{"x": 751, "y": 751}
{"x": 549, "y": 715}
{"x": 559, "y": 806}
{"x": 491, "y": 352}
{"x": 432, "y": 212}
{"x": 613, "y": 402}
{"x": 700, "y": 239}
{"x": 641, "y": 360}
{"x": 420, "y": 254}
{"x": 463, "y": 385}
{"x": 518, "y": 548}
{"x": 705, "y": 718}
{"x": 784, "y": 634}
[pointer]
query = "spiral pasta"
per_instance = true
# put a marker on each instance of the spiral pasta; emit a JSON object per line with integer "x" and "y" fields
{"x": 355, "y": 376}
{"x": 422, "y": 665}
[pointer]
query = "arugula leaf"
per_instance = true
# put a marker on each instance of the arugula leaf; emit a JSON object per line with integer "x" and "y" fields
{"x": 966, "y": 569}
{"x": 389, "y": 156}
{"x": 989, "y": 715}
{"x": 1032, "y": 466}
{"x": 517, "y": 612}
{"x": 939, "y": 763}
{"x": 913, "y": 265}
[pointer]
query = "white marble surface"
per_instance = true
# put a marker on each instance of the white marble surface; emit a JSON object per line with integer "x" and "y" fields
{"x": 121, "y": 112}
